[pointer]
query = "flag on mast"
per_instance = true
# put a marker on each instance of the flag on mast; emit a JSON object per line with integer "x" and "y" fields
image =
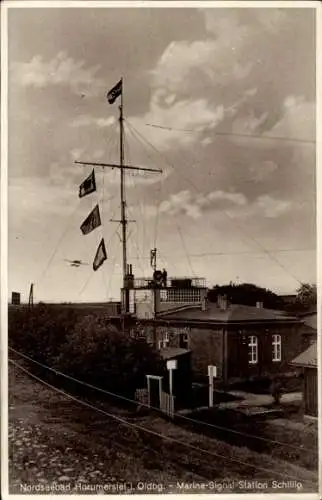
{"x": 115, "y": 92}
{"x": 88, "y": 186}
{"x": 92, "y": 221}
{"x": 100, "y": 256}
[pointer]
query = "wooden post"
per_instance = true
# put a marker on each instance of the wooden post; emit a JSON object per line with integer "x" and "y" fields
{"x": 171, "y": 365}
{"x": 170, "y": 381}
{"x": 211, "y": 392}
{"x": 212, "y": 372}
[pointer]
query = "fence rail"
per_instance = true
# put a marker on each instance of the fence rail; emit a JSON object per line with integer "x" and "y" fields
{"x": 166, "y": 402}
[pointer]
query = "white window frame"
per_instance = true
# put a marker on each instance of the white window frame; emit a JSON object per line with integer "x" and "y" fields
{"x": 252, "y": 350}
{"x": 164, "y": 341}
{"x": 185, "y": 332}
{"x": 277, "y": 347}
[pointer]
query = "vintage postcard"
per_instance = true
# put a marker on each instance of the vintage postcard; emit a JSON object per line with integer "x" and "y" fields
{"x": 160, "y": 270}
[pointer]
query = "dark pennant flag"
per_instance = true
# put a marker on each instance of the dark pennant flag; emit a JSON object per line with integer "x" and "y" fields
{"x": 88, "y": 186}
{"x": 92, "y": 221}
{"x": 115, "y": 92}
{"x": 100, "y": 255}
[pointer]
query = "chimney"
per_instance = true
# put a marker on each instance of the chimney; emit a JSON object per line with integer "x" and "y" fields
{"x": 222, "y": 302}
{"x": 259, "y": 305}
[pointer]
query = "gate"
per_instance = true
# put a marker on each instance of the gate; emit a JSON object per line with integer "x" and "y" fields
{"x": 154, "y": 390}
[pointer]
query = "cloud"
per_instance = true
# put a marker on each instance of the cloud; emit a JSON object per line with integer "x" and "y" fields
{"x": 179, "y": 60}
{"x": 61, "y": 70}
{"x": 262, "y": 170}
{"x": 298, "y": 120}
{"x": 185, "y": 202}
{"x": 184, "y": 67}
{"x": 37, "y": 198}
{"x": 271, "y": 207}
{"x": 234, "y": 205}
{"x": 89, "y": 121}
{"x": 264, "y": 206}
{"x": 183, "y": 121}
{"x": 76, "y": 153}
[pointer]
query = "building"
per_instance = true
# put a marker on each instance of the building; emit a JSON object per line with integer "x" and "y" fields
{"x": 309, "y": 328}
{"x": 147, "y": 297}
{"x": 243, "y": 342}
{"x": 307, "y": 360}
{"x": 15, "y": 299}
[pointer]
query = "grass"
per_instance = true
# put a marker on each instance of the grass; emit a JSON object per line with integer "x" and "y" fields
{"x": 302, "y": 436}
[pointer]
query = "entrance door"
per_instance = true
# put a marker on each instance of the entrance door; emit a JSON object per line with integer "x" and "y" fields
{"x": 154, "y": 390}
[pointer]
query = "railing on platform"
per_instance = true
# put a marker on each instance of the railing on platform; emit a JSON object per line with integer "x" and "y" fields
{"x": 172, "y": 282}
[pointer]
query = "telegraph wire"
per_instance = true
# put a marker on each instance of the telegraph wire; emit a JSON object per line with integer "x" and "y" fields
{"x": 154, "y": 433}
{"x": 177, "y": 226}
{"x": 209, "y": 254}
{"x": 241, "y": 229}
{"x": 65, "y": 231}
{"x": 235, "y": 134}
{"x": 129, "y": 400}
{"x": 135, "y": 242}
{"x": 131, "y": 132}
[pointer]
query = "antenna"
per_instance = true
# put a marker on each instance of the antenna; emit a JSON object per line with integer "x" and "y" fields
{"x": 123, "y": 167}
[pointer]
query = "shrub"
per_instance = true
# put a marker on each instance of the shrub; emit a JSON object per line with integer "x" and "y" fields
{"x": 88, "y": 348}
{"x": 101, "y": 355}
{"x": 41, "y": 331}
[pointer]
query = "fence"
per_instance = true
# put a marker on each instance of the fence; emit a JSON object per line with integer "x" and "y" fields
{"x": 166, "y": 402}
{"x": 142, "y": 396}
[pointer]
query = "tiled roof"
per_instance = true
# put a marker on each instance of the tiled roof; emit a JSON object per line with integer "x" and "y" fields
{"x": 308, "y": 357}
{"x": 233, "y": 313}
{"x": 172, "y": 352}
{"x": 310, "y": 320}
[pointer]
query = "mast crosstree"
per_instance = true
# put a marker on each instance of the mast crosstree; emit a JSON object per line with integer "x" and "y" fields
{"x": 111, "y": 97}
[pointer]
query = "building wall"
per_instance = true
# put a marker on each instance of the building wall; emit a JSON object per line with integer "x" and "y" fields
{"x": 207, "y": 349}
{"x": 206, "y": 344}
{"x": 227, "y": 348}
{"x": 238, "y": 350}
{"x": 310, "y": 392}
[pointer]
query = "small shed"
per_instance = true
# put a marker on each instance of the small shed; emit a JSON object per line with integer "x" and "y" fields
{"x": 182, "y": 375}
{"x": 307, "y": 360}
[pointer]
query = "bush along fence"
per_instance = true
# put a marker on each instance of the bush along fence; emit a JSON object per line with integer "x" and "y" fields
{"x": 87, "y": 348}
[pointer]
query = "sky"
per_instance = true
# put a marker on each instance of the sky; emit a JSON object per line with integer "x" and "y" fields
{"x": 230, "y": 93}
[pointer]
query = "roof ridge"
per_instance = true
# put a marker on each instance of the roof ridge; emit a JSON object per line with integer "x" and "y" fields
{"x": 178, "y": 309}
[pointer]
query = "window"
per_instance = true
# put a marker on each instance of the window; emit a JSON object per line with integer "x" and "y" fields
{"x": 277, "y": 348}
{"x": 252, "y": 350}
{"x": 164, "y": 340}
{"x": 182, "y": 295}
{"x": 184, "y": 340}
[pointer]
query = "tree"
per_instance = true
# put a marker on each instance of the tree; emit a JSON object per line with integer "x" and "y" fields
{"x": 40, "y": 331}
{"x": 306, "y": 298}
{"x": 246, "y": 294}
